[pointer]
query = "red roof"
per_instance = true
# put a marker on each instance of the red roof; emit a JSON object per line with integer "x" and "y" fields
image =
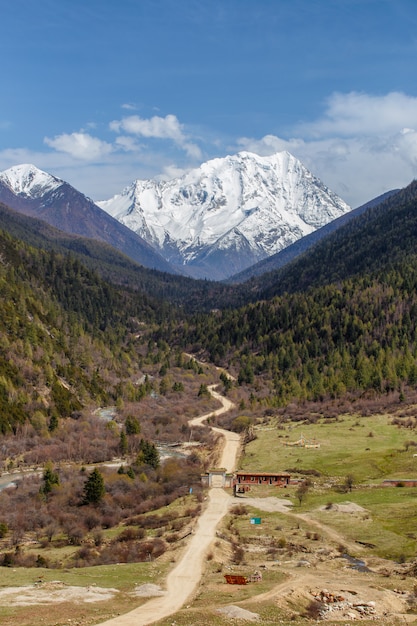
{"x": 250, "y": 473}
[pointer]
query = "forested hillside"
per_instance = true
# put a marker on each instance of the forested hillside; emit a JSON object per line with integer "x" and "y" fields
{"x": 373, "y": 241}
{"x": 346, "y": 323}
{"x": 81, "y": 382}
{"x": 64, "y": 334}
{"x": 93, "y": 371}
{"x": 348, "y": 337}
{"x": 116, "y": 268}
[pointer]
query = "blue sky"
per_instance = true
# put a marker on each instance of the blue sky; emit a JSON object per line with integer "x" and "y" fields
{"x": 101, "y": 92}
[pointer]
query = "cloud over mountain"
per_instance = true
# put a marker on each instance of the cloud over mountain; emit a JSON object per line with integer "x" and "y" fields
{"x": 80, "y": 146}
{"x": 360, "y": 142}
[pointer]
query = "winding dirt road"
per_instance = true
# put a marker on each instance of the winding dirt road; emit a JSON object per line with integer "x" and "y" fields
{"x": 183, "y": 580}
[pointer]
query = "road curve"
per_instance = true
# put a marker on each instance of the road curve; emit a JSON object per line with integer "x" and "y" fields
{"x": 183, "y": 580}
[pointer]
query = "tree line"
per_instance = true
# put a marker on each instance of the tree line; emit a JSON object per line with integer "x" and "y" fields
{"x": 355, "y": 335}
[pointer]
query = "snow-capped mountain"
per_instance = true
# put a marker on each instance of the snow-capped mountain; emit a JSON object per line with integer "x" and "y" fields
{"x": 212, "y": 223}
{"x": 28, "y": 181}
{"x": 33, "y": 192}
{"x": 229, "y": 213}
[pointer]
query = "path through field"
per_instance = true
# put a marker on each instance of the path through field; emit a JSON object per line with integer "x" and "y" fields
{"x": 183, "y": 580}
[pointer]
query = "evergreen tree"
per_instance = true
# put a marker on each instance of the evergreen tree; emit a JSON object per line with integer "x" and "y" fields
{"x": 203, "y": 391}
{"x": 148, "y": 454}
{"x": 50, "y": 478}
{"x": 94, "y": 488}
{"x": 132, "y": 425}
{"x": 123, "y": 443}
{"x": 53, "y": 423}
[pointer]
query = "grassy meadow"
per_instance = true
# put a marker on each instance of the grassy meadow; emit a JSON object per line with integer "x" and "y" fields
{"x": 369, "y": 448}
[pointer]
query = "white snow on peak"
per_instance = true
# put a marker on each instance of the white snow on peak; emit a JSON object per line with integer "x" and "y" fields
{"x": 29, "y": 181}
{"x": 236, "y": 202}
{"x": 217, "y": 219}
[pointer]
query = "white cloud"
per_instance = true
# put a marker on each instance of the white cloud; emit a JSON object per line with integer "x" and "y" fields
{"x": 172, "y": 171}
{"x": 192, "y": 150}
{"x": 359, "y": 114}
{"x": 80, "y": 146}
{"x": 128, "y": 144}
{"x": 361, "y": 146}
{"x": 157, "y": 127}
{"x": 405, "y": 143}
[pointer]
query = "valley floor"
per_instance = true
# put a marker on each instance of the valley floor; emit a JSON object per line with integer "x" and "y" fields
{"x": 318, "y": 581}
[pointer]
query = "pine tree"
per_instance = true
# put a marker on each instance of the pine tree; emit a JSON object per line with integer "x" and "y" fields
{"x": 148, "y": 454}
{"x": 132, "y": 425}
{"x": 50, "y": 478}
{"x": 94, "y": 489}
{"x": 53, "y": 423}
{"x": 123, "y": 443}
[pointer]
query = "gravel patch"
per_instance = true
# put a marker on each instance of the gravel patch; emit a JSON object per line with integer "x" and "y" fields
{"x": 148, "y": 591}
{"x": 235, "y": 612}
{"x": 53, "y": 593}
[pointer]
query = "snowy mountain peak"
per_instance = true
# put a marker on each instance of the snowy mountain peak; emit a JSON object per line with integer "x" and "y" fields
{"x": 29, "y": 181}
{"x": 212, "y": 222}
{"x": 229, "y": 213}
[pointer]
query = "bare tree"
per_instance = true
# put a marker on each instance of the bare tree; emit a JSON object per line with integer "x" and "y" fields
{"x": 302, "y": 490}
{"x": 349, "y": 482}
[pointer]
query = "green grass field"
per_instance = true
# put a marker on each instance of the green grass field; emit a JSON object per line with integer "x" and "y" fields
{"x": 370, "y": 448}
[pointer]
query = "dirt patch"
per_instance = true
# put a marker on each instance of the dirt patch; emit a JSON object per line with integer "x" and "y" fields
{"x": 235, "y": 612}
{"x": 148, "y": 591}
{"x": 53, "y": 593}
{"x": 341, "y": 594}
{"x": 344, "y": 507}
{"x": 270, "y": 505}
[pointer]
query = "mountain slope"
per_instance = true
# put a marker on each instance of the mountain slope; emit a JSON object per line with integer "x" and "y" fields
{"x": 383, "y": 235}
{"x": 165, "y": 289}
{"x": 339, "y": 321}
{"x": 229, "y": 213}
{"x": 60, "y": 327}
{"x": 33, "y": 192}
{"x": 280, "y": 259}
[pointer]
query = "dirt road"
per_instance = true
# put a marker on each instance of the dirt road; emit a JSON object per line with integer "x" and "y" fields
{"x": 183, "y": 580}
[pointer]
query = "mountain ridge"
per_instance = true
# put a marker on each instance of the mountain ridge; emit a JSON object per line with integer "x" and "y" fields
{"x": 211, "y": 223}
{"x": 382, "y": 235}
{"x": 280, "y": 259}
{"x": 229, "y": 213}
{"x": 35, "y": 193}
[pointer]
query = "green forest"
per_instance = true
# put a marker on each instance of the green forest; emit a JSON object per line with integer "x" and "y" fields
{"x": 344, "y": 327}
{"x": 104, "y": 365}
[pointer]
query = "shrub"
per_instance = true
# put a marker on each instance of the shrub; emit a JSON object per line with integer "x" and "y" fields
{"x": 239, "y": 509}
{"x": 314, "y": 610}
{"x": 75, "y": 536}
{"x": 92, "y": 521}
{"x": 41, "y": 561}
{"x": 7, "y": 559}
{"x": 131, "y": 534}
{"x": 98, "y": 538}
{"x": 238, "y": 553}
